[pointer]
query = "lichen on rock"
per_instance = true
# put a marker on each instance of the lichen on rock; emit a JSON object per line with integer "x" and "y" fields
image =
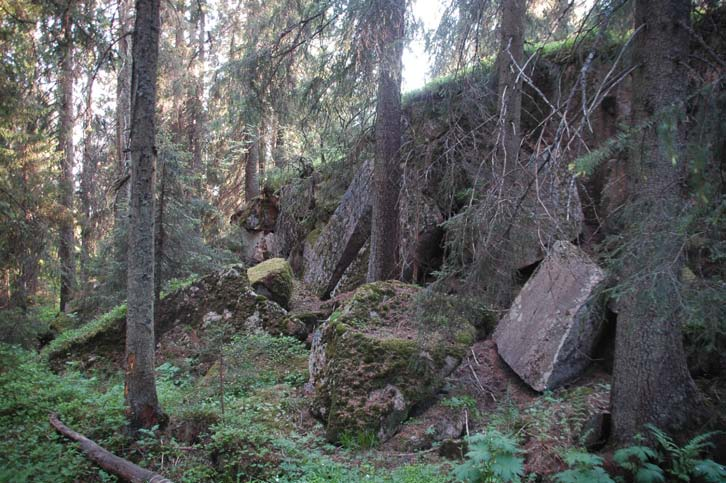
{"x": 371, "y": 363}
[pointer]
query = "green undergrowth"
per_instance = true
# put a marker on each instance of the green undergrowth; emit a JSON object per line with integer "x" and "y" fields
{"x": 30, "y": 451}
{"x": 241, "y": 427}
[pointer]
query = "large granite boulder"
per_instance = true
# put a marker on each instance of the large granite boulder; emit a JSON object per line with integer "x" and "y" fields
{"x": 272, "y": 279}
{"x": 371, "y": 361}
{"x": 341, "y": 239}
{"x": 549, "y": 334}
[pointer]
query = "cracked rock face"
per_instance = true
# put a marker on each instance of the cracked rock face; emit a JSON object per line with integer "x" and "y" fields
{"x": 549, "y": 334}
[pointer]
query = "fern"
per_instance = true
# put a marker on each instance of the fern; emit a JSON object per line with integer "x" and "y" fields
{"x": 686, "y": 461}
{"x": 583, "y": 468}
{"x": 638, "y": 461}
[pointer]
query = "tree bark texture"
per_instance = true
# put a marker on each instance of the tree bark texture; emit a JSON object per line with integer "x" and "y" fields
{"x": 383, "y": 261}
{"x": 65, "y": 146}
{"x": 140, "y": 390}
{"x": 651, "y": 382}
{"x": 107, "y": 460}
{"x": 509, "y": 87}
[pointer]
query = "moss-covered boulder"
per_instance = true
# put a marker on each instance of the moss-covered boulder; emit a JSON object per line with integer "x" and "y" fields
{"x": 272, "y": 279}
{"x": 221, "y": 301}
{"x": 371, "y": 361}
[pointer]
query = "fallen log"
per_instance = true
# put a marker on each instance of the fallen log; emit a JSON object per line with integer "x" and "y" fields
{"x": 105, "y": 459}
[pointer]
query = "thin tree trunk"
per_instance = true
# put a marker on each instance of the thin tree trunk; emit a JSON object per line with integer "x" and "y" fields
{"x": 65, "y": 146}
{"x": 142, "y": 404}
{"x": 198, "y": 123}
{"x": 383, "y": 261}
{"x": 5, "y": 289}
{"x": 87, "y": 185}
{"x": 651, "y": 382}
{"x": 123, "y": 128}
{"x": 509, "y": 88}
{"x": 496, "y": 258}
{"x": 123, "y": 110}
{"x": 252, "y": 182}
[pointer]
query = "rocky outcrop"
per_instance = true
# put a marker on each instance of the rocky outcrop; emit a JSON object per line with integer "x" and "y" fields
{"x": 272, "y": 279}
{"x": 258, "y": 219}
{"x": 421, "y": 235}
{"x": 547, "y": 209}
{"x": 371, "y": 362}
{"x": 297, "y": 213}
{"x": 356, "y": 273}
{"x": 223, "y": 297}
{"x": 259, "y": 214}
{"x": 341, "y": 239}
{"x": 549, "y": 334}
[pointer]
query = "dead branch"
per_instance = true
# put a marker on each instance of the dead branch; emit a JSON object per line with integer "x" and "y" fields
{"x": 105, "y": 459}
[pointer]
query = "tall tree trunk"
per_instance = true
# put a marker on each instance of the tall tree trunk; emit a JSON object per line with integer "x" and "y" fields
{"x": 252, "y": 161}
{"x": 142, "y": 404}
{"x": 495, "y": 259}
{"x": 65, "y": 145}
{"x": 509, "y": 87}
{"x": 651, "y": 382}
{"x": 198, "y": 122}
{"x": 177, "y": 82}
{"x": 383, "y": 261}
{"x": 87, "y": 185}
{"x": 123, "y": 108}
{"x": 123, "y": 162}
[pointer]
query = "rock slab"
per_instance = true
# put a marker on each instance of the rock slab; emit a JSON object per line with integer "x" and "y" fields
{"x": 342, "y": 238}
{"x": 554, "y": 323}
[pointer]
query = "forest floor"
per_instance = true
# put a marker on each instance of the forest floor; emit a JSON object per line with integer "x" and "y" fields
{"x": 240, "y": 412}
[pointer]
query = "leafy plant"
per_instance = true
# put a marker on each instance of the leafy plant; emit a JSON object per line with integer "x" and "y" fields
{"x": 638, "y": 460}
{"x": 686, "y": 461}
{"x": 492, "y": 457}
{"x": 464, "y": 402}
{"x": 583, "y": 468}
{"x": 364, "y": 439}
